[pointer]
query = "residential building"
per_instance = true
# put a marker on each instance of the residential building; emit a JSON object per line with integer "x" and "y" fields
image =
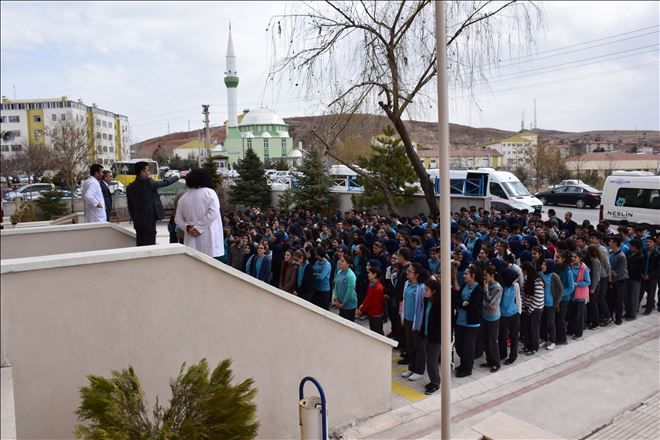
{"x": 27, "y": 121}
{"x": 607, "y": 162}
{"x": 602, "y": 146}
{"x": 463, "y": 159}
{"x": 516, "y": 150}
{"x": 261, "y": 129}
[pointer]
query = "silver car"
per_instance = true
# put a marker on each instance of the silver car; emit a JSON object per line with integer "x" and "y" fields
{"x": 28, "y": 192}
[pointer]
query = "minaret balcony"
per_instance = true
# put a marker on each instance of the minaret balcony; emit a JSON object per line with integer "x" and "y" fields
{"x": 231, "y": 81}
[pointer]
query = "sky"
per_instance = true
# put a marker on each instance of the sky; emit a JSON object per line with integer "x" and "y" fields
{"x": 595, "y": 66}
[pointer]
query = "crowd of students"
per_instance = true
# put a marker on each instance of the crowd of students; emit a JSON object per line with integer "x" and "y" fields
{"x": 516, "y": 278}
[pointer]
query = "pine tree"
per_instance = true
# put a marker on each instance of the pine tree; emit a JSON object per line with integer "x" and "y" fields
{"x": 251, "y": 187}
{"x": 312, "y": 186}
{"x": 216, "y": 179}
{"x": 200, "y": 407}
{"x": 390, "y": 162}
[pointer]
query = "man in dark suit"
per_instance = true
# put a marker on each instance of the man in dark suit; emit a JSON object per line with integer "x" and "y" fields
{"x": 144, "y": 205}
{"x": 107, "y": 196}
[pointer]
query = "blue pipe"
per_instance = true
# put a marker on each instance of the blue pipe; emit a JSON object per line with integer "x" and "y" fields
{"x": 323, "y": 407}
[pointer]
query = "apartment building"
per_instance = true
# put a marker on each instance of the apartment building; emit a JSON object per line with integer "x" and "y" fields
{"x": 516, "y": 150}
{"x": 26, "y": 121}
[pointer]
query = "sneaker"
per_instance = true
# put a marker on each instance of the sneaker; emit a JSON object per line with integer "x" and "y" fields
{"x": 542, "y": 343}
{"x": 406, "y": 374}
{"x": 415, "y": 376}
{"x": 403, "y": 361}
{"x": 432, "y": 389}
{"x": 550, "y": 346}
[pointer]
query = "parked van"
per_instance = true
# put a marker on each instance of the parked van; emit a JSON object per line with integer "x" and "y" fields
{"x": 505, "y": 190}
{"x": 633, "y": 196}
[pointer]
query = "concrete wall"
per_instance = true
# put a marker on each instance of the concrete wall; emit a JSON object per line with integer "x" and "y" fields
{"x": 51, "y": 240}
{"x": 344, "y": 203}
{"x": 155, "y": 307}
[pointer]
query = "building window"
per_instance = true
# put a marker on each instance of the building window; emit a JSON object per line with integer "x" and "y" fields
{"x": 266, "y": 152}
{"x": 105, "y": 136}
{"x": 54, "y": 117}
{"x": 5, "y": 148}
{"x": 14, "y": 119}
{"x": 98, "y": 121}
{"x": 111, "y": 149}
{"x": 16, "y": 147}
{"x": 110, "y": 136}
{"x": 110, "y": 125}
{"x": 283, "y": 147}
{"x": 3, "y": 119}
{"x": 249, "y": 143}
{"x": 98, "y": 135}
{"x": 36, "y": 118}
{"x": 37, "y": 134}
{"x": 104, "y": 124}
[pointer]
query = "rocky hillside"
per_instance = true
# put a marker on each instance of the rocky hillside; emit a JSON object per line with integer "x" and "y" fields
{"x": 363, "y": 127}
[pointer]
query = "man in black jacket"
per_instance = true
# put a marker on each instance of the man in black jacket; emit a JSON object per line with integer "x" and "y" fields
{"x": 144, "y": 205}
{"x": 107, "y": 196}
{"x": 636, "y": 265}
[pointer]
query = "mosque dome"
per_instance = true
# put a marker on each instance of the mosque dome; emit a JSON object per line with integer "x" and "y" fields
{"x": 261, "y": 116}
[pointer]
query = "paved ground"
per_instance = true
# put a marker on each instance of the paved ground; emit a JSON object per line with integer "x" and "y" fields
{"x": 571, "y": 392}
{"x": 640, "y": 423}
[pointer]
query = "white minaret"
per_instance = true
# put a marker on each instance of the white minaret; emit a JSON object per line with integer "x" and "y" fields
{"x": 231, "y": 81}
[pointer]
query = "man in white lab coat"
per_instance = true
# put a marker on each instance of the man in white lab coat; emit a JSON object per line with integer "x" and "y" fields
{"x": 198, "y": 214}
{"x": 93, "y": 196}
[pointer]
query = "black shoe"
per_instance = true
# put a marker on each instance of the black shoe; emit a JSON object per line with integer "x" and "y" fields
{"x": 509, "y": 361}
{"x": 494, "y": 368}
{"x": 403, "y": 361}
{"x": 463, "y": 373}
{"x": 428, "y": 385}
{"x": 485, "y": 365}
{"x": 618, "y": 322}
{"x": 630, "y": 318}
{"x": 432, "y": 389}
{"x": 647, "y": 312}
{"x": 594, "y": 326}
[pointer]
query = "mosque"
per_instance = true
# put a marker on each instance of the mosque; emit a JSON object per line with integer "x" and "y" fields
{"x": 260, "y": 129}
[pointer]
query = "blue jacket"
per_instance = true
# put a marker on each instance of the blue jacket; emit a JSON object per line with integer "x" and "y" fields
{"x": 322, "y": 271}
{"x": 419, "y": 305}
{"x": 567, "y": 281}
{"x": 265, "y": 273}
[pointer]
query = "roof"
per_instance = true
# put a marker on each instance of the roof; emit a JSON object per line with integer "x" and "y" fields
{"x": 614, "y": 155}
{"x": 261, "y": 116}
{"x": 454, "y": 152}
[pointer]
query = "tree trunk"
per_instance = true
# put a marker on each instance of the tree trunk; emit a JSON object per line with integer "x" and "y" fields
{"x": 424, "y": 180}
{"x": 389, "y": 200}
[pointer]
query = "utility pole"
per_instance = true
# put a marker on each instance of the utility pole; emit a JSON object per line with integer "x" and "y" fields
{"x": 444, "y": 223}
{"x": 205, "y": 111}
{"x": 168, "y": 127}
{"x": 535, "y": 126}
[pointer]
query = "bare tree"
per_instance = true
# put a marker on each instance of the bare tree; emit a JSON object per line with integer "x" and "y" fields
{"x": 70, "y": 149}
{"x": 34, "y": 159}
{"x": 8, "y": 168}
{"x": 384, "y": 52}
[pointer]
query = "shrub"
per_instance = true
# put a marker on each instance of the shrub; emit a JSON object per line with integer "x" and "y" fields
{"x": 201, "y": 407}
{"x": 24, "y": 213}
{"x": 51, "y": 204}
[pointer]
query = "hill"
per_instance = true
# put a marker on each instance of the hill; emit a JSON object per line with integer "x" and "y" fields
{"x": 356, "y": 136}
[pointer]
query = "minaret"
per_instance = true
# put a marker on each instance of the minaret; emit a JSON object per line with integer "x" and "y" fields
{"x": 231, "y": 81}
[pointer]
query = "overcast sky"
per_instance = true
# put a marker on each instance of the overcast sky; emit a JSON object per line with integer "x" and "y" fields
{"x": 157, "y": 63}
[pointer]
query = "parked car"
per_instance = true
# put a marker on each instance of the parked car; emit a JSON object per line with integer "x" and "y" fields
{"x": 576, "y": 195}
{"x": 28, "y": 192}
{"x": 567, "y": 182}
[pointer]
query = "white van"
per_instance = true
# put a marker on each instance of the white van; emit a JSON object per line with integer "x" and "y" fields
{"x": 633, "y": 196}
{"x": 505, "y": 190}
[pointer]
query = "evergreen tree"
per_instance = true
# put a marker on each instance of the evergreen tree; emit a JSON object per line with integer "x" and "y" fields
{"x": 217, "y": 182}
{"x": 389, "y": 162}
{"x": 200, "y": 407}
{"x": 51, "y": 204}
{"x": 281, "y": 165}
{"x": 251, "y": 187}
{"x": 312, "y": 186}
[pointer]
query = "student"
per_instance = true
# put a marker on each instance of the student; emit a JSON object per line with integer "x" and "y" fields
{"x": 566, "y": 278}
{"x": 469, "y": 303}
{"x": 636, "y": 263}
{"x": 594, "y": 261}
{"x": 411, "y": 315}
{"x": 532, "y": 308}
{"x": 582, "y": 280}
{"x": 619, "y": 264}
{"x": 321, "y": 273}
{"x": 304, "y": 286}
{"x": 490, "y": 314}
{"x": 553, "y": 292}
{"x": 258, "y": 265}
{"x": 430, "y": 332}
{"x": 344, "y": 296}
{"x": 372, "y": 306}
{"x": 510, "y": 308}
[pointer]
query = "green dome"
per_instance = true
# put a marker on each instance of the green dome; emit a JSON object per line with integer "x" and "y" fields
{"x": 231, "y": 81}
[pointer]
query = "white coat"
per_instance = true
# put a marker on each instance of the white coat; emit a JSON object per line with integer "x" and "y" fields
{"x": 93, "y": 196}
{"x": 200, "y": 208}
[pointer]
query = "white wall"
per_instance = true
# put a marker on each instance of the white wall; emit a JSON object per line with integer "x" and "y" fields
{"x": 155, "y": 307}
